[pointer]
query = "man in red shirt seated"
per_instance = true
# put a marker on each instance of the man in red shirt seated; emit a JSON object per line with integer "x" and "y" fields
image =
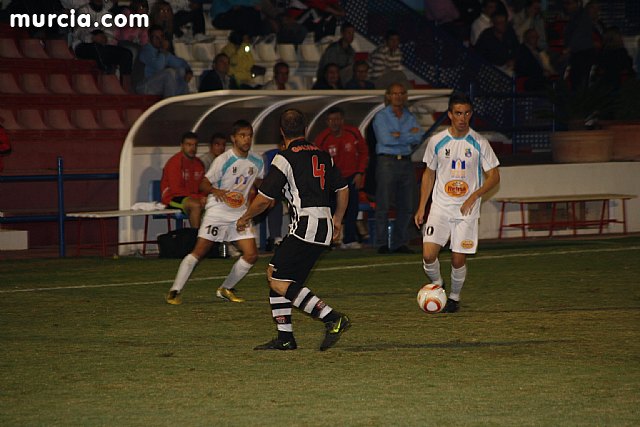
{"x": 181, "y": 178}
{"x": 349, "y": 152}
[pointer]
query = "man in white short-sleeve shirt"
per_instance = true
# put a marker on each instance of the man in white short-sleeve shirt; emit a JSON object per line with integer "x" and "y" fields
{"x": 228, "y": 183}
{"x": 461, "y": 167}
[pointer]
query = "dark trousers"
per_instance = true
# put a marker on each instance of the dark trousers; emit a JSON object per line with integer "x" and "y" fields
{"x": 107, "y": 57}
{"x": 244, "y": 19}
{"x": 195, "y": 17}
{"x": 351, "y": 215}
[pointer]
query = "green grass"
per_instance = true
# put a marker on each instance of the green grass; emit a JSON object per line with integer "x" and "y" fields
{"x": 548, "y": 334}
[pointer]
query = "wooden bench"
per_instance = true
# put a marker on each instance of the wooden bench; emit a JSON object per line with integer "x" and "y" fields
{"x": 103, "y": 215}
{"x": 572, "y": 221}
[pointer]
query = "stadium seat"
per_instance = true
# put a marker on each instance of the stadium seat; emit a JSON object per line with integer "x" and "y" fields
{"x": 183, "y": 51}
{"x": 109, "y": 84}
{"x": 85, "y": 84}
{"x": 84, "y": 119}
{"x": 33, "y": 48}
{"x": 110, "y": 119}
{"x": 59, "y": 84}
{"x": 58, "y": 119}
{"x": 310, "y": 53}
{"x": 288, "y": 54}
{"x": 131, "y": 115}
{"x": 31, "y": 119}
{"x": 266, "y": 53}
{"x": 8, "y": 84}
{"x": 204, "y": 52}
{"x": 58, "y": 49}
{"x": 8, "y": 120}
{"x": 32, "y": 83}
{"x": 8, "y": 48}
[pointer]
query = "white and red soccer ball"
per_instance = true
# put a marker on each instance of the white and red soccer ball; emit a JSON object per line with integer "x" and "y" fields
{"x": 432, "y": 298}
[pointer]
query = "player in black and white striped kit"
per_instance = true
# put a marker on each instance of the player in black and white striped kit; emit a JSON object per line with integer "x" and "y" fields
{"x": 307, "y": 177}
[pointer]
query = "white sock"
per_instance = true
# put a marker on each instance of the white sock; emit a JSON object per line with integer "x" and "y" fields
{"x": 184, "y": 271}
{"x": 433, "y": 271}
{"x": 238, "y": 271}
{"x": 457, "y": 281}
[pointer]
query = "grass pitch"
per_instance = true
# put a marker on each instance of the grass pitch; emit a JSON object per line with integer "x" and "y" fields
{"x": 548, "y": 334}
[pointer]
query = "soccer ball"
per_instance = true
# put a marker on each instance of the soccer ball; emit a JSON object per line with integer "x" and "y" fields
{"x": 432, "y": 298}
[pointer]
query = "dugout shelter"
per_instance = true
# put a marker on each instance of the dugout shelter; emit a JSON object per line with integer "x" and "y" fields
{"x": 155, "y": 136}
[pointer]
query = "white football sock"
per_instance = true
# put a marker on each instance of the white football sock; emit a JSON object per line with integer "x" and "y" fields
{"x": 433, "y": 271}
{"x": 184, "y": 271}
{"x": 238, "y": 271}
{"x": 458, "y": 275}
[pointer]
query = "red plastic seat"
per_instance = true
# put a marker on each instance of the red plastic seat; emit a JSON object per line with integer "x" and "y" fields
{"x": 109, "y": 84}
{"x": 32, "y": 83}
{"x": 58, "y": 49}
{"x": 8, "y": 120}
{"x": 131, "y": 115}
{"x": 59, "y": 84}
{"x": 8, "y": 48}
{"x": 31, "y": 119}
{"x": 110, "y": 119}
{"x": 8, "y": 84}
{"x": 33, "y": 48}
{"x": 58, "y": 119}
{"x": 84, "y": 119}
{"x": 85, "y": 84}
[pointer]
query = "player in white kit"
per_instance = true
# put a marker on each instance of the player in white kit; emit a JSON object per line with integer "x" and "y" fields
{"x": 228, "y": 182}
{"x": 461, "y": 167}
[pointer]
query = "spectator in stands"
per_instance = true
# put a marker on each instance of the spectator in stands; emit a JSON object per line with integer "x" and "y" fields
{"x": 529, "y": 63}
{"x": 349, "y": 152}
{"x": 188, "y": 12}
{"x": 161, "y": 14}
{"x": 181, "y": 177}
{"x": 240, "y": 58}
{"x": 278, "y": 21}
{"x": 319, "y": 16}
{"x": 531, "y": 17}
{"x": 280, "y": 79}
{"x": 499, "y": 44}
{"x": 218, "y": 77}
{"x": 578, "y": 37}
{"x": 614, "y": 65}
{"x": 398, "y": 134}
{"x": 217, "y": 145}
{"x": 98, "y": 43}
{"x": 340, "y": 52}
{"x": 330, "y": 78}
{"x": 133, "y": 38}
{"x": 5, "y": 146}
{"x": 239, "y": 15}
{"x": 164, "y": 73}
{"x": 360, "y": 78}
{"x": 386, "y": 62}
{"x": 483, "y": 21}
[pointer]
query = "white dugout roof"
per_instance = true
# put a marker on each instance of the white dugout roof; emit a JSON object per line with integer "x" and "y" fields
{"x": 155, "y": 137}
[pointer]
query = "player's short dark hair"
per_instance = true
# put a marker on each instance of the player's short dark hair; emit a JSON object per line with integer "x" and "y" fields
{"x": 217, "y": 135}
{"x": 293, "y": 123}
{"x": 240, "y": 124}
{"x": 334, "y": 110}
{"x": 188, "y": 135}
{"x": 280, "y": 64}
{"x": 459, "y": 98}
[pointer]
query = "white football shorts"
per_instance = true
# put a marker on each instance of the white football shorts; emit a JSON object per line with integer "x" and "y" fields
{"x": 215, "y": 230}
{"x": 463, "y": 233}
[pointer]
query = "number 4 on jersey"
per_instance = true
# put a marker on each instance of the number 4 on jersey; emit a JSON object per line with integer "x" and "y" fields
{"x": 318, "y": 170}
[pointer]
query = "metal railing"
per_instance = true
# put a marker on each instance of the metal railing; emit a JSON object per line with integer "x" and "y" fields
{"x": 60, "y": 177}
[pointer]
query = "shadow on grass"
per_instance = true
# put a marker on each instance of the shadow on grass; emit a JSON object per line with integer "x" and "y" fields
{"x": 453, "y": 345}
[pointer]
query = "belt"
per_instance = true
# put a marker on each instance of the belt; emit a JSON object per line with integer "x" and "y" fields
{"x": 395, "y": 156}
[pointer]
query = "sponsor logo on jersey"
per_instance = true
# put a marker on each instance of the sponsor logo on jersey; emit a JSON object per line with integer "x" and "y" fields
{"x": 234, "y": 170}
{"x": 251, "y": 172}
{"x": 458, "y": 168}
{"x": 304, "y": 148}
{"x": 280, "y": 320}
{"x": 447, "y": 152}
{"x": 467, "y": 244}
{"x": 456, "y": 188}
{"x": 233, "y": 199}
{"x": 467, "y": 152}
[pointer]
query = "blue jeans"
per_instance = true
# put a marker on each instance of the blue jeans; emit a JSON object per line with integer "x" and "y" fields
{"x": 168, "y": 82}
{"x": 396, "y": 184}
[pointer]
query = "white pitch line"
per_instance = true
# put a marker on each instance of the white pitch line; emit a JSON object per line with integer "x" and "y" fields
{"x": 321, "y": 269}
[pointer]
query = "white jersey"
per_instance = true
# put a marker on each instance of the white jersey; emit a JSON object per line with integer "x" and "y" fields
{"x": 237, "y": 175}
{"x": 458, "y": 163}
